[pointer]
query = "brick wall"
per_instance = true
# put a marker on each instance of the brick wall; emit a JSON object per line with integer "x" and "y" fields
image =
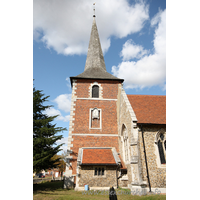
{"x": 108, "y": 113}
{"x": 110, "y": 88}
{"x": 81, "y": 114}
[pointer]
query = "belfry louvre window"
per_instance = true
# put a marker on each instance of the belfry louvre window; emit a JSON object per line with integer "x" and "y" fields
{"x": 95, "y": 91}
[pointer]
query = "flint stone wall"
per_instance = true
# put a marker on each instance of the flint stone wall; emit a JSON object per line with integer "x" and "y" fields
{"x": 157, "y": 174}
{"x": 87, "y": 177}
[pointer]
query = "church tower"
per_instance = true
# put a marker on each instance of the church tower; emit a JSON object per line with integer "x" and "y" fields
{"x": 114, "y": 139}
{"x": 93, "y": 130}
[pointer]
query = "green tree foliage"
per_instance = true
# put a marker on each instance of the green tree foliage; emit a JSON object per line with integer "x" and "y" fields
{"x": 44, "y": 134}
{"x": 61, "y": 164}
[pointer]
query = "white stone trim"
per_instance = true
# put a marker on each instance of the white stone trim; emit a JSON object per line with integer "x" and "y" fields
{"x": 158, "y": 161}
{"x": 115, "y": 155}
{"x": 99, "y": 117}
{"x": 100, "y": 90}
{"x": 96, "y": 147}
{"x": 68, "y": 172}
{"x": 130, "y": 109}
{"x": 95, "y": 135}
{"x": 80, "y": 155}
{"x": 124, "y": 178}
{"x": 97, "y": 99}
{"x": 93, "y": 188}
{"x": 133, "y": 135}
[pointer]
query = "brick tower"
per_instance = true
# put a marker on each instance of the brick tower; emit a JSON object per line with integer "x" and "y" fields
{"x": 93, "y": 129}
{"x": 114, "y": 139}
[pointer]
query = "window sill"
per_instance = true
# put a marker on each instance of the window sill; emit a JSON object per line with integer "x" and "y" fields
{"x": 162, "y": 166}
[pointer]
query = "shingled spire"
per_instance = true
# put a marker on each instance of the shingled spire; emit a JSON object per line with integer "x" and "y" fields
{"x": 95, "y": 55}
{"x": 95, "y": 66}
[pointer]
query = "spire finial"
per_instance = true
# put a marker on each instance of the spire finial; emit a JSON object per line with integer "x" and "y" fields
{"x": 94, "y": 9}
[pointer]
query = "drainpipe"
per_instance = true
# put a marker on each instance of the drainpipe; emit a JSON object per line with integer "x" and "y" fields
{"x": 146, "y": 160}
{"x": 117, "y": 174}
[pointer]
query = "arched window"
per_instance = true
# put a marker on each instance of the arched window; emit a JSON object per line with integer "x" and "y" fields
{"x": 125, "y": 143}
{"x": 161, "y": 142}
{"x": 95, "y": 91}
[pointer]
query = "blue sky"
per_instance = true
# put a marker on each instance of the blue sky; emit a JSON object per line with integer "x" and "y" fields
{"x": 19, "y": 65}
{"x": 132, "y": 34}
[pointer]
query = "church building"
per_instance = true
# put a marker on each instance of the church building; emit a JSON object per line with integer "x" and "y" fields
{"x": 114, "y": 139}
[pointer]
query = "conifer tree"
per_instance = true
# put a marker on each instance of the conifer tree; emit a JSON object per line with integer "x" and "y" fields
{"x": 44, "y": 134}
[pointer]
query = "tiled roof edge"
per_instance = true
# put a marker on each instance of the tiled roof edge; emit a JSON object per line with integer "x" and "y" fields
{"x": 115, "y": 155}
{"x": 132, "y": 113}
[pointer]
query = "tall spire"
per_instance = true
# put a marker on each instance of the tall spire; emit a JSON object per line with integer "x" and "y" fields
{"x": 95, "y": 66}
{"x": 95, "y": 55}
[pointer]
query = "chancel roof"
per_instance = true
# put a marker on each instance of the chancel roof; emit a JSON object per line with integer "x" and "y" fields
{"x": 149, "y": 109}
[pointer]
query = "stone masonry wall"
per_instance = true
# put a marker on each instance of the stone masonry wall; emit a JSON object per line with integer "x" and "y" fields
{"x": 157, "y": 174}
{"x": 126, "y": 117}
{"x": 87, "y": 177}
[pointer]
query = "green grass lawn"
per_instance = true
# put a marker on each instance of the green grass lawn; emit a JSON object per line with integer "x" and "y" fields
{"x": 53, "y": 190}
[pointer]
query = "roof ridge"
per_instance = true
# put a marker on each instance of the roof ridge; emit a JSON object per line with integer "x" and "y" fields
{"x": 146, "y": 95}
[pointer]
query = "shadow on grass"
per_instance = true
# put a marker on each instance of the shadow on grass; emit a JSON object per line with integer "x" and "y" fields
{"x": 47, "y": 186}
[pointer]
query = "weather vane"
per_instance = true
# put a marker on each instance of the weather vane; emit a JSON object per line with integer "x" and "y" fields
{"x": 94, "y": 9}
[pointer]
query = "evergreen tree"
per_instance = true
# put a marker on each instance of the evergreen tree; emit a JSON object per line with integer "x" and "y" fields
{"x": 44, "y": 134}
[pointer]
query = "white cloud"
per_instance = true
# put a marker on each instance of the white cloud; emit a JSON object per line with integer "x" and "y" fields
{"x": 150, "y": 70}
{"x": 68, "y": 82}
{"x": 52, "y": 112}
{"x": 156, "y": 19}
{"x": 65, "y": 25}
{"x": 64, "y": 102}
{"x": 65, "y": 141}
{"x": 131, "y": 50}
{"x": 64, "y": 118}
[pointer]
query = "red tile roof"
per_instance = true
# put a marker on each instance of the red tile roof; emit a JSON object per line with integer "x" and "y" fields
{"x": 149, "y": 109}
{"x": 98, "y": 156}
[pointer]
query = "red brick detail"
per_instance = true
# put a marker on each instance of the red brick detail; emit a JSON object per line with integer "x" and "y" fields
{"x": 98, "y": 156}
{"x": 95, "y": 123}
{"x": 90, "y": 141}
{"x": 149, "y": 108}
{"x": 108, "y": 113}
{"x": 110, "y": 88}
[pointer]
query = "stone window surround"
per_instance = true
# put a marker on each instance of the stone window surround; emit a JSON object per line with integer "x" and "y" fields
{"x": 123, "y": 147}
{"x": 91, "y": 117}
{"x": 99, "y": 176}
{"x": 100, "y": 90}
{"x": 159, "y": 165}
